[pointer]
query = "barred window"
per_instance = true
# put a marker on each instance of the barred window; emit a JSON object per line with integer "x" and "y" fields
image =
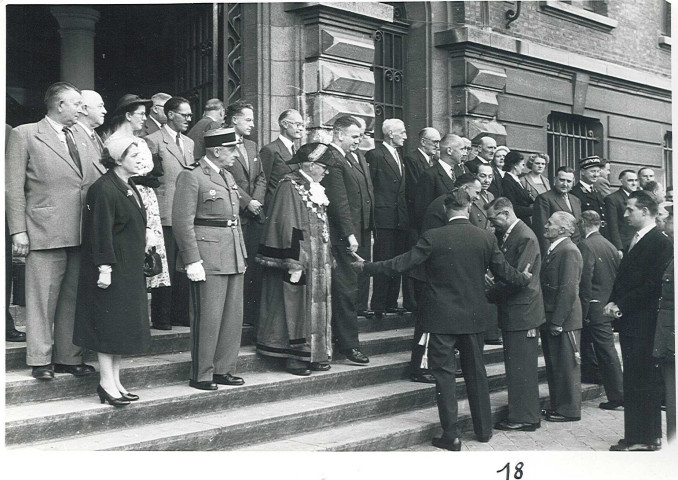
{"x": 668, "y": 159}
{"x": 571, "y": 138}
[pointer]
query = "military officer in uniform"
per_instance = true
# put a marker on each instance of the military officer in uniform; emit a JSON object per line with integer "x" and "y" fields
{"x": 206, "y": 222}
{"x": 590, "y": 169}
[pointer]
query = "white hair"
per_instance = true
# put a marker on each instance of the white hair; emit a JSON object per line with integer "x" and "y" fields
{"x": 391, "y": 124}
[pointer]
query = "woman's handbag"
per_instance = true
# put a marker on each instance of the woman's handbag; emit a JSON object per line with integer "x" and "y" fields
{"x": 152, "y": 263}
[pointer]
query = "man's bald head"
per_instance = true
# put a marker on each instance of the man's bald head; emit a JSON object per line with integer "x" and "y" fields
{"x": 452, "y": 149}
{"x": 486, "y": 147}
{"x": 93, "y": 109}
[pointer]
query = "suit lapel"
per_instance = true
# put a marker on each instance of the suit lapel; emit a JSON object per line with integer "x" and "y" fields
{"x": 447, "y": 181}
{"x": 390, "y": 161}
{"x": 48, "y": 136}
{"x": 172, "y": 148}
{"x": 126, "y": 190}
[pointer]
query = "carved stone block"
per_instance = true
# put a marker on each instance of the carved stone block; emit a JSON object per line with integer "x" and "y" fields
{"x": 323, "y": 110}
{"x": 471, "y": 128}
{"x": 345, "y": 45}
{"x": 472, "y": 72}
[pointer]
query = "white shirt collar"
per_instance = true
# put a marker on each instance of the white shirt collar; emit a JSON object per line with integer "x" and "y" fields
{"x": 508, "y": 230}
{"x": 486, "y": 162}
{"x": 643, "y": 231}
{"x": 287, "y": 142}
{"x": 585, "y": 186}
{"x": 515, "y": 177}
{"x": 591, "y": 233}
{"x": 427, "y": 157}
{"x": 393, "y": 151}
{"x": 555, "y": 244}
{"x": 211, "y": 164}
{"x": 456, "y": 217}
{"x": 341, "y": 150}
{"x": 155, "y": 121}
{"x": 88, "y": 130}
{"x": 172, "y": 133}
{"x": 446, "y": 167}
{"x": 55, "y": 125}
{"x": 625, "y": 192}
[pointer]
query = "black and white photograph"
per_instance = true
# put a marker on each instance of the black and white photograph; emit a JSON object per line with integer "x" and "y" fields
{"x": 436, "y": 237}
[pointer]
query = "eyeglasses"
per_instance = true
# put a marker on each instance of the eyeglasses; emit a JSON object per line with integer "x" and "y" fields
{"x": 295, "y": 124}
{"x": 187, "y": 116}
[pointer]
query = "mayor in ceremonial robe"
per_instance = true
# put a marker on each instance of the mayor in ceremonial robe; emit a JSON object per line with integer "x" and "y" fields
{"x": 295, "y": 315}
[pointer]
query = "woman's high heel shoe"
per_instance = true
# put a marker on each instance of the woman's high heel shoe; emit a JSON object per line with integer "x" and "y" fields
{"x": 130, "y": 396}
{"x": 105, "y": 397}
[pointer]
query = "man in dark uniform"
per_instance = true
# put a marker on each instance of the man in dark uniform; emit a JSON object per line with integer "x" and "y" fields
{"x": 560, "y": 277}
{"x": 590, "y": 199}
{"x": 212, "y": 252}
{"x": 634, "y": 305}
{"x": 521, "y": 313}
{"x": 456, "y": 258}
{"x": 601, "y": 261}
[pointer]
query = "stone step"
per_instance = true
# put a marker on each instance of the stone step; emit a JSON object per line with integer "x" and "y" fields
{"x": 410, "y": 430}
{"x": 178, "y": 339}
{"x": 164, "y": 369}
{"x": 238, "y": 416}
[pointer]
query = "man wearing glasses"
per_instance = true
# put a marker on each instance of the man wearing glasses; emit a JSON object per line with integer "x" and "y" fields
{"x": 172, "y": 153}
{"x": 156, "y": 116}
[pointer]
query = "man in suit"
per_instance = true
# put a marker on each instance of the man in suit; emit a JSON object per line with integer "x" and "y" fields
{"x": 556, "y": 200}
{"x": 478, "y": 214}
{"x": 391, "y": 218}
{"x": 348, "y": 186}
{"x": 600, "y": 263}
{"x": 207, "y": 229}
{"x": 172, "y": 152}
{"x": 49, "y": 168}
{"x": 276, "y": 155}
{"x": 634, "y": 304}
{"x": 560, "y": 276}
{"x": 590, "y": 199}
{"x": 603, "y": 182}
{"x": 156, "y": 116}
{"x": 249, "y": 175}
{"x": 619, "y": 232}
{"x": 440, "y": 178}
{"x": 456, "y": 258}
{"x": 94, "y": 111}
{"x": 645, "y": 176}
{"x": 521, "y": 313}
{"x": 485, "y": 146}
{"x": 212, "y": 118}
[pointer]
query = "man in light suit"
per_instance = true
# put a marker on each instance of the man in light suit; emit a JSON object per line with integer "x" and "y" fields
{"x": 456, "y": 258}
{"x": 521, "y": 313}
{"x": 94, "y": 111}
{"x": 556, "y": 200}
{"x": 619, "y": 232}
{"x": 49, "y": 168}
{"x": 560, "y": 335}
{"x": 276, "y": 155}
{"x": 601, "y": 261}
{"x": 207, "y": 228}
{"x": 391, "y": 218}
{"x": 212, "y": 118}
{"x": 249, "y": 175}
{"x": 348, "y": 186}
{"x": 633, "y": 305}
{"x": 156, "y": 116}
{"x": 172, "y": 153}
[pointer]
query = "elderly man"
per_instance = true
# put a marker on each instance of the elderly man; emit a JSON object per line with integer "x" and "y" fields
{"x": 349, "y": 189}
{"x": 456, "y": 258}
{"x": 49, "y": 167}
{"x": 560, "y": 276}
{"x": 556, "y": 200}
{"x": 212, "y": 118}
{"x": 619, "y": 232}
{"x": 173, "y": 151}
{"x": 249, "y": 175}
{"x": 207, "y": 229}
{"x": 391, "y": 218}
{"x": 598, "y": 353}
{"x": 633, "y": 305}
{"x": 93, "y": 113}
{"x": 276, "y": 155}
{"x": 645, "y": 176}
{"x": 521, "y": 312}
{"x": 485, "y": 146}
{"x": 590, "y": 199}
{"x": 156, "y": 116}
{"x": 440, "y": 178}
{"x": 295, "y": 252}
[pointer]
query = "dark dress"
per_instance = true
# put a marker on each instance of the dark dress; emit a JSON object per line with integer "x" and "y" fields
{"x": 113, "y": 320}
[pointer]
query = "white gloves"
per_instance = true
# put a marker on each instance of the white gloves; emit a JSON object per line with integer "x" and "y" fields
{"x": 195, "y": 272}
{"x": 104, "y": 280}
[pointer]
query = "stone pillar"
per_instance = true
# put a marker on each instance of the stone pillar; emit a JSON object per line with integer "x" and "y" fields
{"x": 77, "y": 30}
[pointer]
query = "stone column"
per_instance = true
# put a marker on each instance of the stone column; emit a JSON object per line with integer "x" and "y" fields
{"x": 77, "y": 30}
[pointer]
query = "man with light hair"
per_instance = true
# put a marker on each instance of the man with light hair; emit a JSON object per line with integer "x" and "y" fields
{"x": 485, "y": 146}
{"x": 94, "y": 111}
{"x": 156, "y": 116}
{"x": 645, "y": 175}
{"x": 212, "y": 118}
{"x": 391, "y": 218}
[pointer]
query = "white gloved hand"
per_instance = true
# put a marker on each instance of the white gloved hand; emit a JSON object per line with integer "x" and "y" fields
{"x": 295, "y": 275}
{"x": 195, "y": 272}
{"x": 104, "y": 280}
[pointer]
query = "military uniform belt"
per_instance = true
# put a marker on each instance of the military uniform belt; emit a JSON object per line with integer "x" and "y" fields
{"x": 204, "y": 222}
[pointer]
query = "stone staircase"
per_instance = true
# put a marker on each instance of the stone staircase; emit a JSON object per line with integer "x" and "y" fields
{"x": 351, "y": 407}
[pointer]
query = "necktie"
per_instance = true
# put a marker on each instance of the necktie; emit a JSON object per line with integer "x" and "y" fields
{"x": 294, "y": 150}
{"x": 504, "y": 238}
{"x": 634, "y": 240}
{"x": 97, "y": 142}
{"x": 397, "y": 160}
{"x": 566, "y": 197}
{"x": 243, "y": 154}
{"x": 72, "y": 149}
{"x": 483, "y": 196}
{"x": 223, "y": 175}
{"x": 179, "y": 143}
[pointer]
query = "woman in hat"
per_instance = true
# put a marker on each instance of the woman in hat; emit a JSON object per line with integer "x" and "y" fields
{"x": 128, "y": 120}
{"x": 534, "y": 180}
{"x": 514, "y": 163}
{"x": 295, "y": 249}
{"x": 111, "y": 313}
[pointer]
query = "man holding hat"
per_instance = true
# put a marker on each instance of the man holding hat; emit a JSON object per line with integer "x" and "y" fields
{"x": 295, "y": 251}
{"x": 590, "y": 169}
{"x": 211, "y": 249}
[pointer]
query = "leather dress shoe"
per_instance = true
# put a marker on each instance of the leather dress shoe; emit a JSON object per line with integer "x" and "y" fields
{"x": 484, "y": 439}
{"x": 356, "y": 356}
{"x": 397, "y": 310}
{"x": 203, "y": 385}
{"x": 611, "y": 405}
{"x": 159, "y": 326}
{"x": 423, "y": 377}
{"x": 43, "y": 372}
{"x": 546, "y": 411}
{"x": 320, "y": 367}
{"x": 624, "y": 446}
{"x": 379, "y": 314}
{"x": 75, "y": 370}
{"x": 228, "y": 379}
{"x": 516, "y": 426}
{"x": 451, "y": 444}
{"x": 556, "y": 417}
{"x": 15, "y": 335}
{"x": 366, "y": 313}
{"x": 300, "y": 371}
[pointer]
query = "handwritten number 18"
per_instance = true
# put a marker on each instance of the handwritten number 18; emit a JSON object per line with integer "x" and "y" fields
{"x": 519, "y": 470}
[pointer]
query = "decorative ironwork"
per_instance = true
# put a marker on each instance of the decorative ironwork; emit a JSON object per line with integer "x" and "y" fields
{"x": 233, "y": 36}
{"x": 667, "y": 148}
{"x": 571, "y": 138}
{"x": 512, "y": 15}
